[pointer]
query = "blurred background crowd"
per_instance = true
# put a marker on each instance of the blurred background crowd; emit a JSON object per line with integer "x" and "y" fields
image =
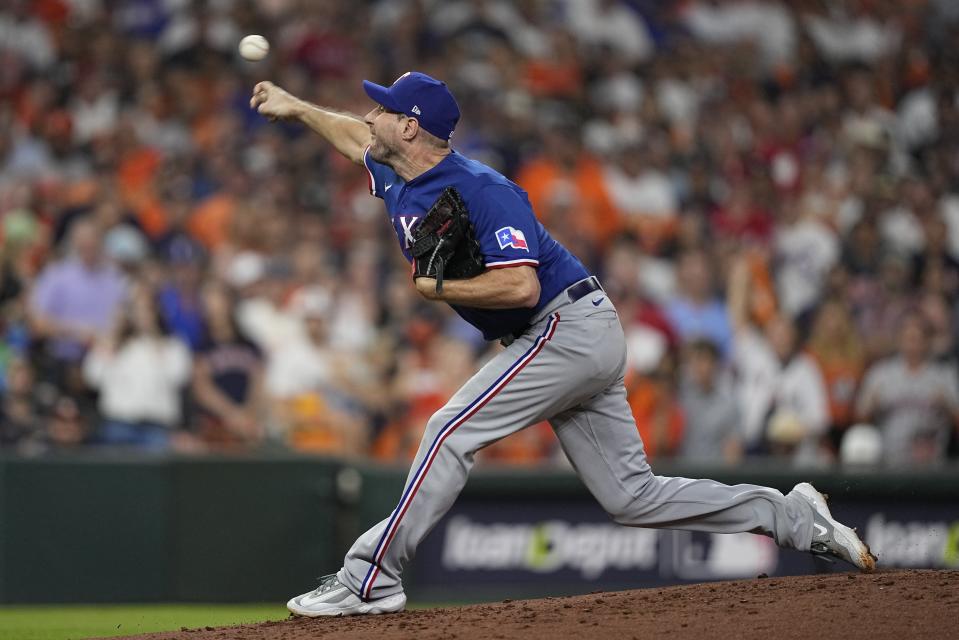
{"x": 768, "y": 191}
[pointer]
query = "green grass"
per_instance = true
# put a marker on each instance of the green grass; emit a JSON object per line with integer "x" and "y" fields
{"x": 72, "y": 622}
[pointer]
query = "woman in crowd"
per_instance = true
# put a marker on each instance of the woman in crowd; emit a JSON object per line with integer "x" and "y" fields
{"x": 139, "y": 371}
{"x": 839, "y": 351}
{"x": 227, "y": 376}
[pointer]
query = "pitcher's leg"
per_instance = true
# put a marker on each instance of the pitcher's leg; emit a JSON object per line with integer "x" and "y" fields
{"x": 601, "y": 441}
{"x": 506, "y": 395}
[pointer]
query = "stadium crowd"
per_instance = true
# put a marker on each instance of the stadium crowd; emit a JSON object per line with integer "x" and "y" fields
{"x": 768, "y": 191}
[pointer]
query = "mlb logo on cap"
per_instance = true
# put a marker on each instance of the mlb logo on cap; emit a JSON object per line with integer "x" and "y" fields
{"x": 422, "y": 97}
{"x": 510, "y": 237}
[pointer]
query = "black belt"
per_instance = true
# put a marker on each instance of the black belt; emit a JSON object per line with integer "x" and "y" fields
{"x": 574, "y": 292}
{"x": 583, "y": 288}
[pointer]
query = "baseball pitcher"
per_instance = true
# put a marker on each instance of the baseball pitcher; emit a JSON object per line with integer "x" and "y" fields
{"x": 473, "y": 242}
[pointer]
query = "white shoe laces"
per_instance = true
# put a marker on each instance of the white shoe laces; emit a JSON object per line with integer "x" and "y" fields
{"x": 327, "y": 583}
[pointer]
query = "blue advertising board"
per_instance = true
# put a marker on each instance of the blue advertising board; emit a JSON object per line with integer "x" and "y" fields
{"x": 491, "y": 549}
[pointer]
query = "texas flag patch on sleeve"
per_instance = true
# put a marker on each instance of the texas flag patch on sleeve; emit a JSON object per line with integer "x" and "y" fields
{"x": 510, "y": 237}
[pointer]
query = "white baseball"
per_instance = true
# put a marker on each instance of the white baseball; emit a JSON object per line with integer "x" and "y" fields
{"x": 254, "y": 47}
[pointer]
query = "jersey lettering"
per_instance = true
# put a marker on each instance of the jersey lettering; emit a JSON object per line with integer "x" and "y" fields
{"x": 407, "y": 229}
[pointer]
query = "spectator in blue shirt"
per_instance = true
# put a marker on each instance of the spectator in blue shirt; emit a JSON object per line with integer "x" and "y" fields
{"x": 697, "y": 311}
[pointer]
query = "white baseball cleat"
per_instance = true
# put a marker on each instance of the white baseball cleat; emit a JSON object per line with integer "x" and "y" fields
{"x": 830, "y": 537}
{"x": 333, "y": 598}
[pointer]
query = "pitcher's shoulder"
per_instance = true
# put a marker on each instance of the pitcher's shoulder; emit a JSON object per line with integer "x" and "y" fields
{"x": 477, "y": 173}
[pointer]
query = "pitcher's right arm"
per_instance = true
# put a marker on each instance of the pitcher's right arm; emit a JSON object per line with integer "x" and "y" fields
{"x": 348, "y": 133}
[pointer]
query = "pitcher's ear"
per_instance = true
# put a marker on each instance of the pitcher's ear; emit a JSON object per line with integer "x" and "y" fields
{"x": 410, "y": 129}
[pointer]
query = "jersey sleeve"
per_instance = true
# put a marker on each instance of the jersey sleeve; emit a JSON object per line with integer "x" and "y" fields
{"x": 379, "y": 176}
{"x": 505, "y": 226}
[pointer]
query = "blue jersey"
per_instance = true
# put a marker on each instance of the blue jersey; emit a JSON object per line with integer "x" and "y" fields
{"x": 508, "y": 233}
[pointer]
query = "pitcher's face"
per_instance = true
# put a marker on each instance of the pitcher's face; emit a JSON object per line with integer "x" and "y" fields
{"x": 385, "y": 128}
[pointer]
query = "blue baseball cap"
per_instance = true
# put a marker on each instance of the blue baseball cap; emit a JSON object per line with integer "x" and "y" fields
{"x": 422, "y": 97}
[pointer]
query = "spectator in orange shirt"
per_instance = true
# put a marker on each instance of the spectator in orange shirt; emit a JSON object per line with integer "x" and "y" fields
{"x": 532, "y": 445}
{"x": 429, "y": 369}
{"x": 835, "y": 345}
{"x": 136, "y": 171}
{"x": 656, "y": 408}
{"x": 557, "y": 74}
{"x": 568, "y": 191}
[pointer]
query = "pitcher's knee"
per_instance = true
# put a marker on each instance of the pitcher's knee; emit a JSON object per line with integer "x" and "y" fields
{"x": 626, "y": 503}
{"x": 620, "y": 503}
{"x": 619, "y": 509}
{"x": 434, "y": 426}
{"x": 439, "y": 426}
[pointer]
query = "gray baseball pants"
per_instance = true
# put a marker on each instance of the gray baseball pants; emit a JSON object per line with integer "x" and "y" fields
{"x": 567, "y": 368}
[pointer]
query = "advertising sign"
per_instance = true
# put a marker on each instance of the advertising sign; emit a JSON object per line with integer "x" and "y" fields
{"x": 490, "y": 549}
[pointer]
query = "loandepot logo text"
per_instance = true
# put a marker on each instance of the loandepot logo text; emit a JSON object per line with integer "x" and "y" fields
{"x": 546, "y": 547}
{"x": 912, "y": 543}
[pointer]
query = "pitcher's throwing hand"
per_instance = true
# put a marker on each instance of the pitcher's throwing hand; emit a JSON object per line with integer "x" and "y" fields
{"x": 273, "y": 102}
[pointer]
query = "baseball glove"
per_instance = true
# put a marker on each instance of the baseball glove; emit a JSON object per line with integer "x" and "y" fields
{"x": 444, "y": 244}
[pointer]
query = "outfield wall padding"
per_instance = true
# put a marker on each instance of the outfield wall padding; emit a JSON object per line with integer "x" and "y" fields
{"x": 262, "y": 528}
{"x": 149, "y": 529}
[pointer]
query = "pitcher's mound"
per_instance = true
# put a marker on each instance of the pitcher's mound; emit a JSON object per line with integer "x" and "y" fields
{"x": 889, "y": 605}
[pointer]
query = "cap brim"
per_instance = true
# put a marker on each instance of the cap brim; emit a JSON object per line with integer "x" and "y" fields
{"x": 380, "y": 94}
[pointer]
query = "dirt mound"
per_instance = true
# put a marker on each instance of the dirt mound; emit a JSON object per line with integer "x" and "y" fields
{"x": 894, "y": 605}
